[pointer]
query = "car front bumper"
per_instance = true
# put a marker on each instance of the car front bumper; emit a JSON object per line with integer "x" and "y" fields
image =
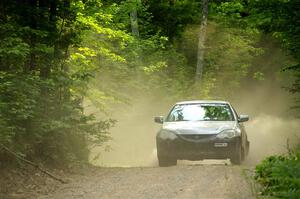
{"x": 208, "y": 148}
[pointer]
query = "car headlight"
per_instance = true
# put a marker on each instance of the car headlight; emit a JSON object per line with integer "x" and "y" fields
{"x": 230, "y": 133}
{"x": 166, "y": 135}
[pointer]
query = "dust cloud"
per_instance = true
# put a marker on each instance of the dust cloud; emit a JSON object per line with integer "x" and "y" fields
{"x": 270, "y": 135}
{"x": 133, "y": 143}
{"x": 271, "y": 125}
{"x": 133, "y": 138}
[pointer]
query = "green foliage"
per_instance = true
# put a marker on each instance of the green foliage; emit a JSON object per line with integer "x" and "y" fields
{"x": 229, "y": 54}
{"x": 280, "y": 176}
{"x": 121, "y": 13}
{"x": 42, "y": 85}
{"x": 18, "y": 94}
{"x": 258, "y": 76}
{"x": 171, "y": 17}
{"x": 281, "y": 19}
{"x": 150, "y": 65}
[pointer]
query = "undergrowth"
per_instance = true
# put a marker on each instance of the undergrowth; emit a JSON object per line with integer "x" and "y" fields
{"x": 279, "y": 175}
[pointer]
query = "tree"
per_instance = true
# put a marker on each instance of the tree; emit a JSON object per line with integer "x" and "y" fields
{"x": 201, "y": 41}
{"x": 281, "y": 19}
{"x": 41, "y": 116}
{"x": 134, "y": 20}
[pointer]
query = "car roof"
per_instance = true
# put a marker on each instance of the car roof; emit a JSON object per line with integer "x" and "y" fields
{"x": 203, "y": 102}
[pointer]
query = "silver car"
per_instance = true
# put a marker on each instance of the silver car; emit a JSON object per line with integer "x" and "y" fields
{"x": 196, "y": 130}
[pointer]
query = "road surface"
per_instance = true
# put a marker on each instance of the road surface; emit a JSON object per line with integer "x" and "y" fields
{"x": 181, "y": 181}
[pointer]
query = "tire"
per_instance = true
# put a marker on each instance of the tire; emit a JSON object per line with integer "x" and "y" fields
{"x": 245, "y": 151}
{"x": 237, "y": 157}
{"x": 166, "y": 162}
{"x": 248, "y": 147}
{"x": 243, "y": 154}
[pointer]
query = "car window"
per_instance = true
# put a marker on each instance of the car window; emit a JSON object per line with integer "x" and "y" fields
{"x": 200, "y": 112}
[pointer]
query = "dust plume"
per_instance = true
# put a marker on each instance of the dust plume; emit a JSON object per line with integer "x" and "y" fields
{"x": 273, "y": 127}
{"x": 133, "y": 138}
{"x": 270, "y": 135}
{"x": 134, "y": 145}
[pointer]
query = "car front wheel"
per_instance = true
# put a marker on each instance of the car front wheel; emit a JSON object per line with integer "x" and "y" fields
{"x": 237, "y": 156}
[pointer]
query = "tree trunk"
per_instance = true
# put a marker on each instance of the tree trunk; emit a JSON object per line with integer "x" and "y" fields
{"x": 201, "y": 41}
{"x": 134, "y": 20}
{"x": 33, "y": 25}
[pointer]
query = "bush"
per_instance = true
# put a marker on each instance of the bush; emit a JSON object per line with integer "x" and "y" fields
{"x": 280, "y": 175}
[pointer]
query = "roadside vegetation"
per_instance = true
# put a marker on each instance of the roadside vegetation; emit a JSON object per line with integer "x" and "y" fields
{"x": 280, "y": 174}
{"x": 60, "y": 57}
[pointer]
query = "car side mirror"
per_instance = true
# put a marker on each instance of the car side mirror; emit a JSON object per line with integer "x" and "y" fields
{"x": 159, "y": 119}
{"x": 243, "y": 118}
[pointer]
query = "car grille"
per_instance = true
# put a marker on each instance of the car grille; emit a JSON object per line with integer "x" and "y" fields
{"x": 194, "y": 137}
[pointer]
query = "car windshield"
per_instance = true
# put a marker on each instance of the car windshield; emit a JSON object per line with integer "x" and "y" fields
{"x": 200, "y": 112}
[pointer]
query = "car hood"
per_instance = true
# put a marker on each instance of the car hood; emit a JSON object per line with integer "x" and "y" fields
{"x": 198, "y": 127}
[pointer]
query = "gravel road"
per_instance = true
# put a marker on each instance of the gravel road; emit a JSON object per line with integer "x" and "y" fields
{"x": 181, "y": 181}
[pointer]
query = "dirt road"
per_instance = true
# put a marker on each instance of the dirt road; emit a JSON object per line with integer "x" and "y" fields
{"x": 181, "y": 181}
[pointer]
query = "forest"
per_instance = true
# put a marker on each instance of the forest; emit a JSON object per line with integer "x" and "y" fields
{"x": 59, "y": 57}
